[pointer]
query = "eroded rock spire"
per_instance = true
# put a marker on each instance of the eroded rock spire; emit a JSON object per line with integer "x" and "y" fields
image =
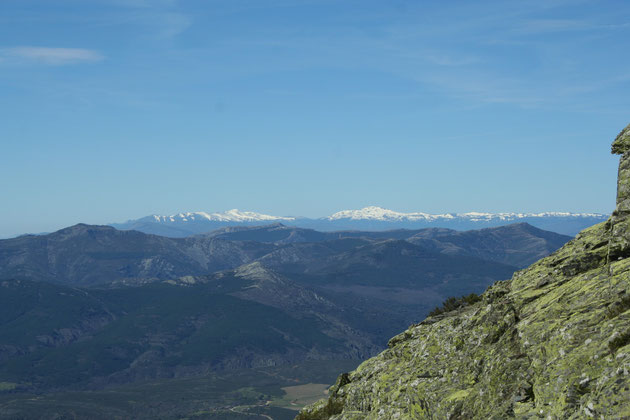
{"x": 621, "y": 144}
{"x": 619, "y": 246}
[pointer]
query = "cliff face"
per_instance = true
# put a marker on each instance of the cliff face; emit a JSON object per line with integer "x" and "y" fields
{"x": 620, "y": 220}
{"x": 553, "y": 342}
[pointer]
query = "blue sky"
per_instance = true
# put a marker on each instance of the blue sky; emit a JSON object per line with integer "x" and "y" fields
{"x": 116, "y": 109}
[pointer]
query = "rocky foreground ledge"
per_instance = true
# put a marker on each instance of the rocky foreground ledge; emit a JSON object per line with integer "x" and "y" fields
{"x": 552, "y": 343}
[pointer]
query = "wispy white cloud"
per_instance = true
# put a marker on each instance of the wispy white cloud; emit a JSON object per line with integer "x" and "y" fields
{"x": 543, "y": 26}
{"x": 164, "y": 17}
{"x": 170, "y": 25}
{"x": 143, "y": 3}
{"x": 442, "y": 59}
{"x": 49, "y": 56}
{"x": 535, "y": 26}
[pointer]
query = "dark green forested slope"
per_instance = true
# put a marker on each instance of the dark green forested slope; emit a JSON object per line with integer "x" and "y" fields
{"x": 87, "y": 256}
{"x": 56, "y": 337}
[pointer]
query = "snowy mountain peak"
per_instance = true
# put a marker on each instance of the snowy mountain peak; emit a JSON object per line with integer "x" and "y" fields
{"x": 372, "y": 217}
{"x": 377, "y": 213}
{"x": 233, "y": 215}
{"x": 380, "y": 214}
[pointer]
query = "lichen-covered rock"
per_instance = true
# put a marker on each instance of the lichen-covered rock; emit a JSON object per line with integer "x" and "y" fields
{"x": 551, "y": 343}
{"x": 621, "y": 144}
{"x": 620, "y": 221}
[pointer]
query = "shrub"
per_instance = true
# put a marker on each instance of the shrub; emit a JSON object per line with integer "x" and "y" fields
{"x": 453, "y": 303}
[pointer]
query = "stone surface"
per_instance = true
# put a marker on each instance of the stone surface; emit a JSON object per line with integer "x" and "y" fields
{"x": 620, "y": 220}
{"x": 621, "y": 144}
{"x": 552, "y": 343}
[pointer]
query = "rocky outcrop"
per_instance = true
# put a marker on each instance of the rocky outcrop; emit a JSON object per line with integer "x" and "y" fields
{"x": 553, "y": 342}
{"x": 620, "y": 237}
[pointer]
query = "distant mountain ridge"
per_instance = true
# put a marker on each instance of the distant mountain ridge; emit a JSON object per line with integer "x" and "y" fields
{"x": 381, "y": 214}
{"x": 368, "y": 218}
{"x": 238, "y": 297}
{"x": 88, "y": 306}
{"x": 233, "y": 215}
{"x": 87, "y": 256}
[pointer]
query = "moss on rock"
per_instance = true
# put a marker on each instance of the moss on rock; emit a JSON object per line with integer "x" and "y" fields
{"x": 553, "y": 342}
{"x": 621, "y": 144}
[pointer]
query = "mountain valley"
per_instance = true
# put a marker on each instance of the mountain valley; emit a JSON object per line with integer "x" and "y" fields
{"x": 95, "y": 308}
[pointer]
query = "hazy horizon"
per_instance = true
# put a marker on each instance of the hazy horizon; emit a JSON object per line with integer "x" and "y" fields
{"x": 118, "y": 109}
{"x": 297, "y": 217}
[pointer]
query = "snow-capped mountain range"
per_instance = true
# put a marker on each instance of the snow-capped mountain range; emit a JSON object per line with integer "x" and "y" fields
{"x": 368, "y": 218}
{"x": 381, "y": 214}
{"x": 233, "y": 215}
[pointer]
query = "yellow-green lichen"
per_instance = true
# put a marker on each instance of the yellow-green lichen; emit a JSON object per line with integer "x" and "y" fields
{"x": 458, "y": 395}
